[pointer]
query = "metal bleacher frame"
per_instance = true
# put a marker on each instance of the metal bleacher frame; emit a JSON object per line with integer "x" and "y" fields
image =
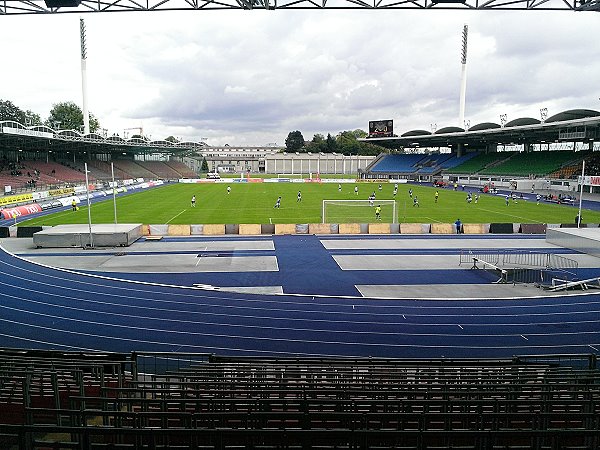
{"x": 88, "y": 401}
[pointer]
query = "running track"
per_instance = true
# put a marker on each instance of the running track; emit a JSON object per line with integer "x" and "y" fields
{"x": 46, "y": 308}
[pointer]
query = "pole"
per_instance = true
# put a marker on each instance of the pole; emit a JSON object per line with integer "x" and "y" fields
{"x": 463, "y": 78}
{"x": 114, "y": 186}
{"x": 581, "y": 194}
{"x": 87, "y": 191}
{"x": 86, "y": 115}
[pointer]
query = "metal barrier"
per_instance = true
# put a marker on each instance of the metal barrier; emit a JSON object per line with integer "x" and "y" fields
{"x": 532, "y": 260}
{"x": 491, "y": 256}
{"x": 524, "y": 266}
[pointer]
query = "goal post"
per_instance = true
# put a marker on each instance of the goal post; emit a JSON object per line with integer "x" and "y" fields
{"x": 358, "y": 211}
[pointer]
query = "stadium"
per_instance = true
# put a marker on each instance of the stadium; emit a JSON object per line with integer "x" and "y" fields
{"x": 443, "y": 294}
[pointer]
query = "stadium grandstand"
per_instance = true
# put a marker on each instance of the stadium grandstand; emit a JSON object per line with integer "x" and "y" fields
{"x": 554, "y": 148}
{"x": 40, "y": 157}
{"x": 111, "y": 400}
{"x": 129, "y": 399}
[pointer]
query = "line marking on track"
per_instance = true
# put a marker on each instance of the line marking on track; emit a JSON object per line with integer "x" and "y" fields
{"x": 524, "y": 337}
{"x": 403, "y": 316}
{"x": 177, "y": 215}
{"x": 592, "y": 347}
{"x": 460, "y": 326}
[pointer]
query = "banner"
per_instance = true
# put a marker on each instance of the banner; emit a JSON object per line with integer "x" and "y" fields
{"x": 11, "y": 199}
{"x": 18, "y": 211}
{"x": 589, "y": 181}
{"x": 58, "y": 192}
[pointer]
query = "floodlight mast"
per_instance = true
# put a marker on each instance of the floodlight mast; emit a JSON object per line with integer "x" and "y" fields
{"x": 86, "y": 115}
{"x": 463, "y": 77}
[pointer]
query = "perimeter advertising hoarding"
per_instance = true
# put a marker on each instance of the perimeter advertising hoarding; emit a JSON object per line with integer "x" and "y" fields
{"x": 381, "y": 128}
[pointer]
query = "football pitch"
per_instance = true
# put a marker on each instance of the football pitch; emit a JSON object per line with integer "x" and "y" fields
{"x": 254, "y": 203}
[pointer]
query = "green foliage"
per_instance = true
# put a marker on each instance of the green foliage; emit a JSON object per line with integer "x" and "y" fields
{"x": 172, "y": 139}
{"x": 68, "y": 116}
{"x": 294, "y": 142}
{"x": 253, "y": 203}
{"x": 9, "y": 111}
{"x": 32, "y": 118}
{"x": 204, "y": 167}
{"x": 345, "y": 142}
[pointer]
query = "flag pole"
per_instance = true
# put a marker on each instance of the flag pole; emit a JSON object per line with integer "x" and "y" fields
{"x": 581, "y": 194}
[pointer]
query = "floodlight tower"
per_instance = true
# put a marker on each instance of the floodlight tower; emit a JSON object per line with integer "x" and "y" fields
{"x": 86, "y": 115}
{"x": 463, "y": 77}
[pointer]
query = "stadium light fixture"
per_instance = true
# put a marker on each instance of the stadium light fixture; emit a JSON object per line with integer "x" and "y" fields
{"x": 503, "y": 120}
{"x": 62, "y": 3}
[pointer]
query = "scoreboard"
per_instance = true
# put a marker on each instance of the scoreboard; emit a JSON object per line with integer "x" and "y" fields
{"x": 381, "y": 128}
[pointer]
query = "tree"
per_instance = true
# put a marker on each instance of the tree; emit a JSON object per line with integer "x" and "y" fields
{"x": 9, "y": 111}
{"x": 204, "y": 167}
{"x": 32, "y": 118}
{"x": 317, "y": 144}
{"x": 294, "y": 142}
{"x": 360, "y": 134}
{"x": 68, "y": 116}
{"x": 331, "y": 145}
{"x": 172, "y": 139}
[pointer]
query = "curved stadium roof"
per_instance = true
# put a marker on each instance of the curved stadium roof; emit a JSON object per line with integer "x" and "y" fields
{"x": 522, "y": 122}
{"x": 567, "y": 126}
{"x": 416, "y": 133}
{"x": 572, "y": 114}
{"x": 484, "y": 126}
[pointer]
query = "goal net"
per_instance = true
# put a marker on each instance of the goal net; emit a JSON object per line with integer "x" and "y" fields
{"x": 358, "y": 211}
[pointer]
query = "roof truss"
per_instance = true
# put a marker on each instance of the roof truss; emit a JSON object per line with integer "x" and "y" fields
{"x": 15, "y": 7}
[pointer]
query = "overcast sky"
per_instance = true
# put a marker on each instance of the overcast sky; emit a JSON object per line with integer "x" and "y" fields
{"x": 251, "y": 77}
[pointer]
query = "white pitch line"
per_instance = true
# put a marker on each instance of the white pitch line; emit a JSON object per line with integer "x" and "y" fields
{"x": 524, "y": 337}
{"x": 176, "y": 216}
{"x": 460, "y": 326}
{"x": 592, "y": 347}
{"x": 508, "y": 215}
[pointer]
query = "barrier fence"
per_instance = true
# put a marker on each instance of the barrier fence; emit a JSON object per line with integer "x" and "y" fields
{"x": 318, "y": 228}
{"x": 521, "y": 266}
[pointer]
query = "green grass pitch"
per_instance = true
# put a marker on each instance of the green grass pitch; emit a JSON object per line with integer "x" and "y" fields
{"x": 253, "y": 203}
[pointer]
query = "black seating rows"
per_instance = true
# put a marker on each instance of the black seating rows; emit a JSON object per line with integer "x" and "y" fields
{"x": 113, "y": 401}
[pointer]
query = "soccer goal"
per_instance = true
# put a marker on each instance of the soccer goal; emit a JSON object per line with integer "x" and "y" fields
{"x": 358, "y": 211}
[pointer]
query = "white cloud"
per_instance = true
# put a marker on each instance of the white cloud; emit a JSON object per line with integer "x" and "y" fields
{"x": 250, "y": 77}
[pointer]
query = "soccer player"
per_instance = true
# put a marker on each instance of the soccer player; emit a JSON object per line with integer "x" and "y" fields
{"x": 395, "y": 190}
{"x": 416, "y": 201}
{"x": 476, "y": 198}
{"x": 299, "y": 199}
{"x": 378, "y": 212}
{"x": 74, "y": 205}
{"x": 537, "y": 199}
{"x": 437, "y": 194}
{"x": 339, "y": 187}
{"x": 410, "y": 192}
{"x": 277, "y": 203}
{"x": 229, "y": 189}
{"x": 507, "y": 198}
{"x": 193, "y": 201}
{"x": 380, "y": 187}
{"x": 355, "y": 190}
{"x": 371, "y": 200}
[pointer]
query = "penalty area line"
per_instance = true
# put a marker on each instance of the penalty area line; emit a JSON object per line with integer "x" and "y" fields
{"x": 176, "y": 215}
